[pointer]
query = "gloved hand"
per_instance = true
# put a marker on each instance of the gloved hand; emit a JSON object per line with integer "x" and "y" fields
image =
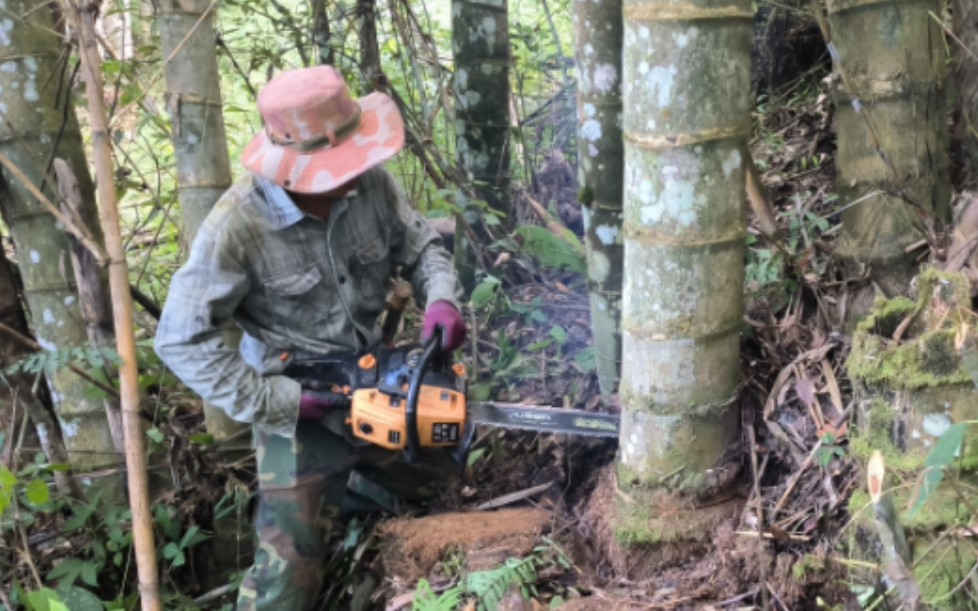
{"x": 312, "y": 407}
{"x": 444, "y": 315}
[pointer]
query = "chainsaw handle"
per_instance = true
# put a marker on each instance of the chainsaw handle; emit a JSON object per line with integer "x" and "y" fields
{"x": 328, "y": 398}
{"x": 431, "y": 349}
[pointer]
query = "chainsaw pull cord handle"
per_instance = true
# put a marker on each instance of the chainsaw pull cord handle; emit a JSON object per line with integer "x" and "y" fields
{"x": 431, "y": 349}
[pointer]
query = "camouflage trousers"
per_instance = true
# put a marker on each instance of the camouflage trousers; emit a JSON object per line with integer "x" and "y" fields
{"x": 303, "y": 483}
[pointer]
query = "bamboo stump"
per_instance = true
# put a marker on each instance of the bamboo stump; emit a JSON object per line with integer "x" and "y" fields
{"x": 911, "y": 384}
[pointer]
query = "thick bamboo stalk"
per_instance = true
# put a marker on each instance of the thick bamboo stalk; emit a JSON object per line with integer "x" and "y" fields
{"x": 598, "y": 27}
{"x": 480, "y": 45}
{"x": 142, "y": 525}
{"x": 93, "y": 297}
{"x": 36, "y": 126}
{"x": 193, "y": 97}
{"x": 686, "y": 99}
{"x": 891, "y": 55}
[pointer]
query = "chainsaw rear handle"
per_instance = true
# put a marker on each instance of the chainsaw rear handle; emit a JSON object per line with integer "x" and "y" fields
{"x": 431, "y": 349}
{"x": 329, "y": 398}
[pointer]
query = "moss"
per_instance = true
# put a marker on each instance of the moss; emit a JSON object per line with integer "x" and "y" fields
{"x": 928, "y": 360}
{"x": 806, "y": 565}
{"x": 927, "y": 357}
{"x": 586, "y": 196}
{"x": 943, "y": 509}
{"x": 940, "y": 569}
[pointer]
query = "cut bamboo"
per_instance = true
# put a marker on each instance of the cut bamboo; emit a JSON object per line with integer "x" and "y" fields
{"x": 142, "y": 525}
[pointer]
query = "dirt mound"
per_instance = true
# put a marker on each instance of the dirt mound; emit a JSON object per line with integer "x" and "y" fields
{"x": 412, "y": 546}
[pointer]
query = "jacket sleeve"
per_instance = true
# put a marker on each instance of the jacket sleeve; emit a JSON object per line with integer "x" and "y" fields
{"x": 417, "y": 247}
{"x": 202, "y": 298}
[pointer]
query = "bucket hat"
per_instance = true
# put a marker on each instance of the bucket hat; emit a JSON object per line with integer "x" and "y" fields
{"x": 316, "y": 136}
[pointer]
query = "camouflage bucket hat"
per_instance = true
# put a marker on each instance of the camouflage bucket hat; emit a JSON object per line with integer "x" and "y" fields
{"x": 316, "y": 136}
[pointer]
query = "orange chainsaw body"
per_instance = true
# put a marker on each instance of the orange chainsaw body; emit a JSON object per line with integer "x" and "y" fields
{"x": 381, "y": 418}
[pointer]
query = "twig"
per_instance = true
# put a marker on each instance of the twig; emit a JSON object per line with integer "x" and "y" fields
{"x": 809, "y": 460}
{"x": 79, "y": 232}
{"x": 953, "y": 36}
{"x": 513, "y": 497}
{"x": 214, "y": 594}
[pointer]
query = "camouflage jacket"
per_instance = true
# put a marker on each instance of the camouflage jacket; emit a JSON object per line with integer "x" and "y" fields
{"x": 295, "y": 284}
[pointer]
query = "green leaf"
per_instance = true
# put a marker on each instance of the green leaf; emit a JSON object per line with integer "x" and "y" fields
{"x": 563, "y": 252}
{"x": 474, "y": 456}
{"x": 192, "y": 537}
{"x": 202, "y": 439}
{"x": 155, "y": 434}
{"x": 170, "y": 550}
{"x": 80, "y": 599}
{"x": 480, "y": 391}
{"x": 485, "y": 291}
{"x": 7, "y": 482}
{"x": 45, "y": 599}
{"x": 559, "y": 334}
{"x": 944, "y": 452}
{"x": 37, "y": 492}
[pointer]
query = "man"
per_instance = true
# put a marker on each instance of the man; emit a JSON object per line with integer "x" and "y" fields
{"x": 298, "y": 253}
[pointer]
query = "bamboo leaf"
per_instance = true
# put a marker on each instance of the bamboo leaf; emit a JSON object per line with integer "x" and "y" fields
{"x": 944, "y": 452}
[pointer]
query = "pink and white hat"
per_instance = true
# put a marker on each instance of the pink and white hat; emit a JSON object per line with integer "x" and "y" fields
{"x": 316, "y": 136}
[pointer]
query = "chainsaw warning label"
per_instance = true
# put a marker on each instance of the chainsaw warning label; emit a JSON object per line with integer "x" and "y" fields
{"x": 444, "y": 432}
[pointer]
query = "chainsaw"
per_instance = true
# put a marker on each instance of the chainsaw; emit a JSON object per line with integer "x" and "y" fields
{"x": 412, "y": 398}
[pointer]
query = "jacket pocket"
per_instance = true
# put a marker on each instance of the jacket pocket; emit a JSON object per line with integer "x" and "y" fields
{"x": 294, "y": 284}
{"x": 371, "y": 267}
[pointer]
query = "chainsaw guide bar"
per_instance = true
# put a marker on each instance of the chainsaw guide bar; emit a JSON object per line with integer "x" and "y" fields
{"x": 543, "y": 419}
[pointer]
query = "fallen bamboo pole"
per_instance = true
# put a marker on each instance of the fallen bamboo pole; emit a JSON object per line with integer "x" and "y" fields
{"x": 142, "y": 525}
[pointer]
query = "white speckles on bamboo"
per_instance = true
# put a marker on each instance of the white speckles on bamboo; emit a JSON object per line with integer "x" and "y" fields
{"x": 608, "y": 234}
{"x": 35, "y": 256}
{"x": 731, "y": 163}
{"x": 69, "y": 300}
{"x": 461, "y": 78}
{"x": 47, "y": 316}
{"x": 600, "y": 266}
{"x": 6, "y": 28}
{"x": 936, "y": 425}
{"x": 69, "y": 428}
{"x": 592, "y": 150}
{"x": 605, "y": 78}
{"x": 591, "y": 130}
{"x": 659, "y": 82}
{"x": 472, "y": 98}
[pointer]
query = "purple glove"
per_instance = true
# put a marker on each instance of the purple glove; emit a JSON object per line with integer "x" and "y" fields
{"x": 442, "y": 314}
{"x": 312, "y": 407}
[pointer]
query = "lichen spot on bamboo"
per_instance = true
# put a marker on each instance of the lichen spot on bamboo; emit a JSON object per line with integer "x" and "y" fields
{"x": 600, "y": 266}
{"x": 936, "y": 425}
{"x": 69, "y": 428}
{"x": 6, "y": 27}
{"x": 732, "y": 163}
{"x": 605, "y": 78}
{"x": 488, "y": 29}
{"x": 659, "y": 83}
{"x": 607, "y": 234}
